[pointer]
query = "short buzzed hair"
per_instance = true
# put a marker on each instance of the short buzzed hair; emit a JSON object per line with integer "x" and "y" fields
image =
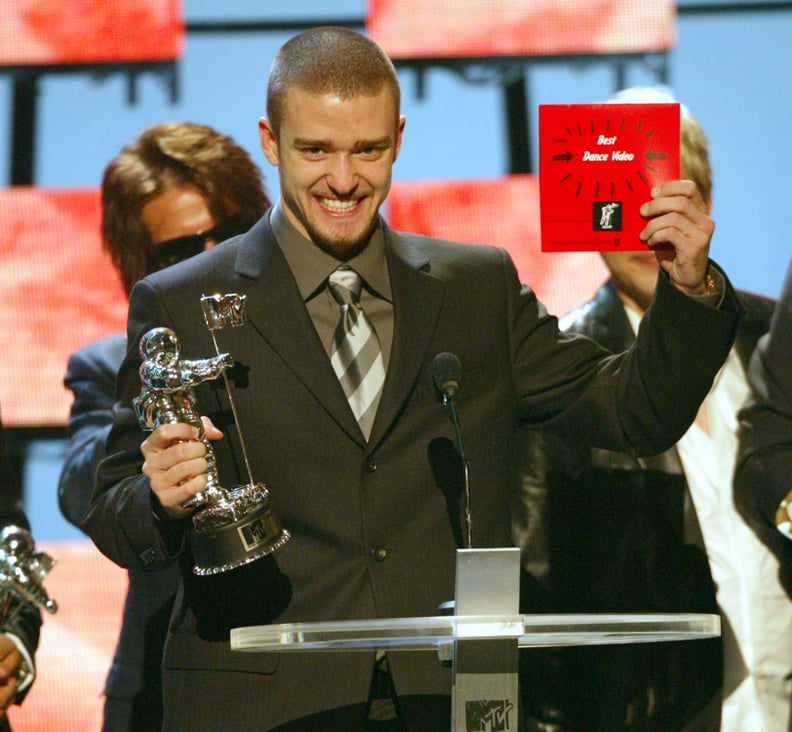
{"x": 329, "y": 60}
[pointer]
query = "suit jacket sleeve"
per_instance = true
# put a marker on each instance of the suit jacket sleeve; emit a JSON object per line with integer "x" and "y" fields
{"x": 122, "y": 523}
{"x": 25, "y": 624}
{"x": 640, "y": 401}
{"x": 89, "y": 424}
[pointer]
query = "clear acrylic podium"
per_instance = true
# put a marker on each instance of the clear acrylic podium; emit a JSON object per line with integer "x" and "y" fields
{"x": 481, "y": 639}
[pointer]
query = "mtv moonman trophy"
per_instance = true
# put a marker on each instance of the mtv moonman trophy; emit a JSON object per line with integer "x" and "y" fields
{"x": 233, "y": 526}
{"x": 22, "y": 571}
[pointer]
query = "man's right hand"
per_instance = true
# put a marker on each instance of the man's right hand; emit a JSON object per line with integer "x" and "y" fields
{"x": 175, "y": 464}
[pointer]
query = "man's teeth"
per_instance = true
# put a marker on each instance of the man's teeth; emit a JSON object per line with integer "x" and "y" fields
{"x": 336, "y": 205}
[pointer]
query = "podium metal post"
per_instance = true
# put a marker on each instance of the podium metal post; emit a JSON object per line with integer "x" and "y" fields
{"x": 485, "y": 687}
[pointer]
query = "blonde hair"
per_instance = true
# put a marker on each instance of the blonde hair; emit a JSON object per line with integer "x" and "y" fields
{"x": 693, "y": 146}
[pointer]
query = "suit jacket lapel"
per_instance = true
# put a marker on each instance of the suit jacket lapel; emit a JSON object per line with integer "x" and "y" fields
{"x": 754, "y": 324}
{"x": 417, "y": 297}
{"x": 611, "y": 326}
{"x": 276, "y": 312}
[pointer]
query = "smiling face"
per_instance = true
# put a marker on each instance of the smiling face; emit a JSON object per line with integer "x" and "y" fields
{"x": 334, "y": 157}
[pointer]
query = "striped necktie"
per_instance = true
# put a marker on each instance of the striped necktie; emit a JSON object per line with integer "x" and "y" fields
{"x": 355, "y": 354}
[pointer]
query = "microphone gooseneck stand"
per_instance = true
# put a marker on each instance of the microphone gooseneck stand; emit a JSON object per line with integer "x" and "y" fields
{"x": 447, "y": 375}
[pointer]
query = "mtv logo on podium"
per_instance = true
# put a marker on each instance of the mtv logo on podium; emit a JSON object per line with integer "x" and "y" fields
{"x": 488, "y": 715}
{"x": 485, "y": 690}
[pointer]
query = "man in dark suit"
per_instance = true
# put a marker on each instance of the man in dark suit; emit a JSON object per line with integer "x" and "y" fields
{"x": 628, "y": 534}
{"x": 370, "y": 535}
{"x": 179, "y": 188}
{"x": 19, "y": 632}
{"x": 763, "y": 479}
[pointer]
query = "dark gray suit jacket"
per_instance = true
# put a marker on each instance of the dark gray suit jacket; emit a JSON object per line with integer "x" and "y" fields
{"x": 764, "y": 465}
{"x": 370, "y": 532}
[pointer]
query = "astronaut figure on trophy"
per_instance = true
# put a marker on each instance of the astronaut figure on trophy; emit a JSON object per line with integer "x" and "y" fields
{"x": 231, "y": 526}
{"x": 167, "y": 396}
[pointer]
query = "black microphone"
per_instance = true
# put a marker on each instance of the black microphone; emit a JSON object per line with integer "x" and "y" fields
{"x": 447, "y": 373}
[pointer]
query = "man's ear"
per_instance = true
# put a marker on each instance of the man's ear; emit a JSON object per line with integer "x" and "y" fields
{"x": 268, "y": 141}
{"x": 398, "y": 140}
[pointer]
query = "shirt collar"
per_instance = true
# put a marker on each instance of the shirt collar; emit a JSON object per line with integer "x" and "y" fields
{"x": 311, "y": 266}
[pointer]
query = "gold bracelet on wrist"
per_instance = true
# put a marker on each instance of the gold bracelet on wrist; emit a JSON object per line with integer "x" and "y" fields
{"x": 710, "y": 285}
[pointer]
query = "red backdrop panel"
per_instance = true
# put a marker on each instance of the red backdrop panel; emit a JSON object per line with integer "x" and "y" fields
{"x": 478, "y": 28}
{"x": 36, "y": 32}
{"x": 503, "y": 212}
{"x": 58, "y": 291}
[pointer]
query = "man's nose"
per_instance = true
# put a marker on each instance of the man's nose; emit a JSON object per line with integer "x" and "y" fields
{"x": 343, "y": 175}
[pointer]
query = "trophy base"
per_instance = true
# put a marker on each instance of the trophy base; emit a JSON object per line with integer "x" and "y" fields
{"x": 236, "y": 530}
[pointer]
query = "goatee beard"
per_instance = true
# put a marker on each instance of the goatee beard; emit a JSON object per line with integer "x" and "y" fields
{"x": 343, "y": 249}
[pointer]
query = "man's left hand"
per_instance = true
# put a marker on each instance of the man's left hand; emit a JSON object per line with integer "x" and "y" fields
{"x": 679, "y": 229}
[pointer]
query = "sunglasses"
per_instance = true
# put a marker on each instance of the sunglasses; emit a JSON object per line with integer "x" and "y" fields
{"x": 175, "y": 250}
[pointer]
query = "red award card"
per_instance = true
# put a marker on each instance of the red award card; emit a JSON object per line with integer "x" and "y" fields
{"x": 597, "y": 165}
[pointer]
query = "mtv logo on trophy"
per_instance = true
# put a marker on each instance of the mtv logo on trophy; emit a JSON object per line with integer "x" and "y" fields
{"x": 231, "y": 526}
